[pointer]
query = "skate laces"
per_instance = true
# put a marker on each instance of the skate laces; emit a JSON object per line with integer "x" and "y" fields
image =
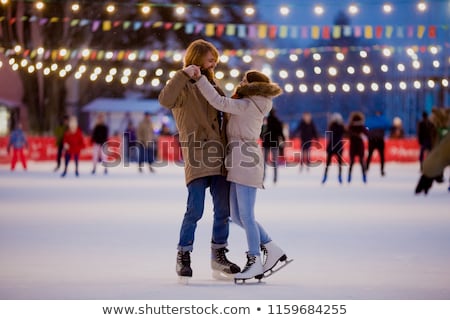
{"x": 221, "y": 257}
{"x": 184, "y": 258}
{"x": 265, "y": 253}
{"x": 250, "y": 261}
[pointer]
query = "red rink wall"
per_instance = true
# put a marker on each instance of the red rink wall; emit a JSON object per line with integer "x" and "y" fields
{"x": 44, "y": 149}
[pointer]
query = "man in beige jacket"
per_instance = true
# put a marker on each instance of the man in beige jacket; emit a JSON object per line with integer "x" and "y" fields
{"x": 203, "y": 139}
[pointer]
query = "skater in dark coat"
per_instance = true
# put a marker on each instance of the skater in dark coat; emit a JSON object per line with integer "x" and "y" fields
{"x": 99, "y": 136}
{"x": 335, "y": 144}
{"x": 425, "y": 133}
{"x": 308, "y": 134}
{"x": 356, "y": 130}
{"x": 272, "y": 138}
{"x": 377, "y": 125}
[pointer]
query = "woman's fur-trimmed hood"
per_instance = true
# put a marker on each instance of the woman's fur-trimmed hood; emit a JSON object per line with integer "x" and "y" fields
{"x": 269, "y": 90}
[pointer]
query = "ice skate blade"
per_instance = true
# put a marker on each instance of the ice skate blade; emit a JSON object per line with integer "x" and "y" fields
{"x": 222, "y": 276}
{"x": 255, "y": 280}
{"x": 281, "y": 264}
{"x": 183, "y": 280}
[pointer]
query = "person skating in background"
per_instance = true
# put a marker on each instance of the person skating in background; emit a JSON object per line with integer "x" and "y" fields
{"x": 245, "y": 163}
{"x": 203, "y": 140}
{"x": 99, "y": 136}
{"x": 335, "y": 144}
{"x": 130, "y": 153}
{"x": 307, "y": 132}
{"x": 73, "y": 144}
{"x": 272, "y": 137}
{"x": 433, "y": 166}
{"x": 377, "y": 125}
{"x": 396, "y": 130}
{"x": 58, "y": 132}
{"x": 425, "y": 133}
{"x": 146, "y": 142}
{"x": 17, "y": 142}
{"x": 356, "y": 131}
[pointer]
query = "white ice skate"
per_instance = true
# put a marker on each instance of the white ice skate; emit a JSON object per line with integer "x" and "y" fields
{"x": 273, "y": 257}
{"x": 252, "y": 270}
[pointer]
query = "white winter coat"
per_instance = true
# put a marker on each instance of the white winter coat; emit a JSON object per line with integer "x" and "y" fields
{"x": 244, "y": 160}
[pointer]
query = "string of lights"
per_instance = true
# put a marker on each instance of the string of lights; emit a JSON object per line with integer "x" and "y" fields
{"x": 154, "y": 76}
{"x": 145, "y": 7}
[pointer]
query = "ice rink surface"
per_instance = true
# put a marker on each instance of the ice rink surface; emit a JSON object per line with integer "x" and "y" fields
{"x": 114, "y": 236}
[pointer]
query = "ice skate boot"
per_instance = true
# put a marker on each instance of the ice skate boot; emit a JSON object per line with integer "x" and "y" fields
{"x": 183, "y": 267}
{"x": 253, "y": 269}
{"x": 272, "y": 256}
{"x": 223, "y": 269}
{"x": 324, "y": 179}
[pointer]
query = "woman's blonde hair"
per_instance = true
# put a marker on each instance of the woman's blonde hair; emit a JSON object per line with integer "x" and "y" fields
{"x": 197, "y": 50}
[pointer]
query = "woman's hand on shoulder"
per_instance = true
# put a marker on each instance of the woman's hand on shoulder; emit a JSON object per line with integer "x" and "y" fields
{"x": 193, "y": 71}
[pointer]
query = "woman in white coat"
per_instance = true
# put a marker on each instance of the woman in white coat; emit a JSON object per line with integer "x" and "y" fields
{"x": 245, "y": 162}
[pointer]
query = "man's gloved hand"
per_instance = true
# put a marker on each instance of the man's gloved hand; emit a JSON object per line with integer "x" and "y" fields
{"x": 424, "y": 184}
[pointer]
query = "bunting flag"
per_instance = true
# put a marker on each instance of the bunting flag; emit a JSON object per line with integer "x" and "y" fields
{"x": 337, "y": 32}
{"x": 253, "y": 31}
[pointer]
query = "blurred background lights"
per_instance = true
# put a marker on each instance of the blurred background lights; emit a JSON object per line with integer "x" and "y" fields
{"x": 422, "y": 6}
{"x": 220, "y": 75}
{"x": 283, "y": 74}
{"x": 387, "y": 8}
{"x": 229, "y": 86}
{"x": 332, "y": 71}
{"x": 353, "y": 9}
{"x": 289, "y": 88}
{"x": 146, "y": 9}
{"x": 110, "y": 8}
{"x": 215, "y": 11}
{"x": 224, "y": 58}
{"x": 247, "y": 58}
{"x": 75, "y": 7}
{"x": 284, "y": 10}
{"x": 318, "y": 10}
{"x": 300, "y": 74}
{"x": 250, "y": 11}
{"x": 340, "y": 56}
{"x": 235, "y": 73}
{"x": 180, "y": 10}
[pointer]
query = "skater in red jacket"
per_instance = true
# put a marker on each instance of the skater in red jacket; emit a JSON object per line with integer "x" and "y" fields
{"x": 17, "y": 142}
{"x": 73, "y": 143}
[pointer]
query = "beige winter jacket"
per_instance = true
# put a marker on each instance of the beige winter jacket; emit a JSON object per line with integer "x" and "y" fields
{"x": 439, "y": 158}
{"x": 202, "y": 141}
{"x": 244, "y": 160}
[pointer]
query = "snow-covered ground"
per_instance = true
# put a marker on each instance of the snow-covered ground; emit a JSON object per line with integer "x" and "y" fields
{"x": 115, "y": 236}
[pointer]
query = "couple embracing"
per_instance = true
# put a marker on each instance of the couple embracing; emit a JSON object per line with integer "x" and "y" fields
{"x": 219, "y": 142}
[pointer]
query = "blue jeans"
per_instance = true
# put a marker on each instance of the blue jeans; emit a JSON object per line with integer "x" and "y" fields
{"x": 242, "y": 208}
{"x": 219, "y": 188}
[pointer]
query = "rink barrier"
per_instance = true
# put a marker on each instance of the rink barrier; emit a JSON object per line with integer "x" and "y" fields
{"x": 168, "y": 149}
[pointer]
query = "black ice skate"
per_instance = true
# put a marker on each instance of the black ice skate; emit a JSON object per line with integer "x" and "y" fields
{"x": 223, "y": 269}
{"x": 183, "y": 267}
{"x": 274, "y": 259}
{"x": 252, "y": 270}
